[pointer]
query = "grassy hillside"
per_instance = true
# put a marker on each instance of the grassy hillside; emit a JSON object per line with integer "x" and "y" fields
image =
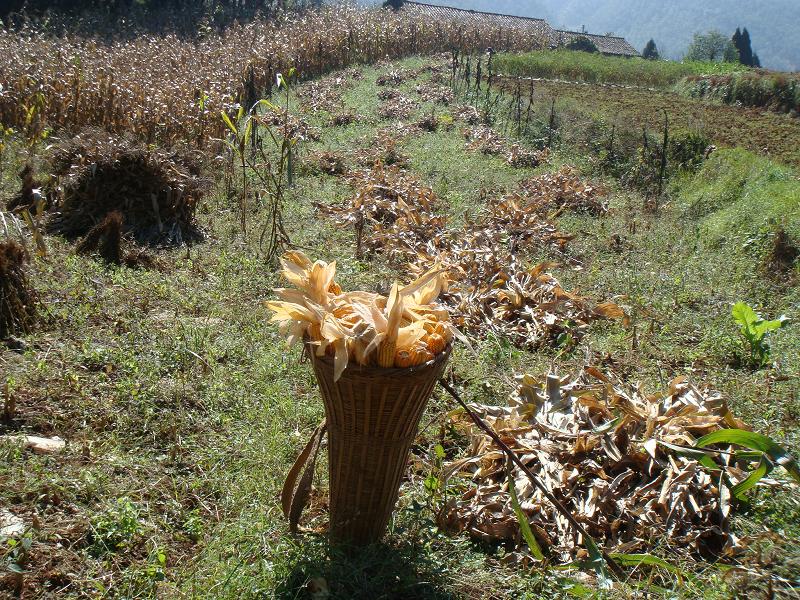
{"x": 183, "y": 410}
{"x": 596, "y": 68}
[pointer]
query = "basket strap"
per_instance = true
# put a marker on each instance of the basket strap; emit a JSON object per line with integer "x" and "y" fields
{"x": 295, "y": 498}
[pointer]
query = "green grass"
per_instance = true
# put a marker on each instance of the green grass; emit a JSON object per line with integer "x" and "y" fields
{"x": 596, "y": 68}
{"x": 183, "y": 410}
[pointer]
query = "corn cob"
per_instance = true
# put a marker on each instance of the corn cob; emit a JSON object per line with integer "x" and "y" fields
{"x": 435, "y": 343}
{"x": 386, "y": 353}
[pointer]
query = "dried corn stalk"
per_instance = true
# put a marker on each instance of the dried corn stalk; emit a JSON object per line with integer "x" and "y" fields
{"x": 608, "y": 451}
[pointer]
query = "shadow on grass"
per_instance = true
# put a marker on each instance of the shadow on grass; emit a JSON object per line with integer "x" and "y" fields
{"x": 377, "y": 572}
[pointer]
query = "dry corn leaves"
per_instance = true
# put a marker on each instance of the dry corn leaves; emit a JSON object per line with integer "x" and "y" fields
{"x": 290, "y": 126}
{"x": 566, "y": 190}
{"x": 484, "y": 139}
{"x": 431, "y": 92}
{"x": 383, "y": 146}
{"x": 600, "y": 447}
{"x": 325, "y": 95}
{"x": 390, "y": 206}
{"x": 468, "y": 114}
{"x": 329, "y": 163}
{"x": 491, "y": 291}
{"x": 399, "y": 107}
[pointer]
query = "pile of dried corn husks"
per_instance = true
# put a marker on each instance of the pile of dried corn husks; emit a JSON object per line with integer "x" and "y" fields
{"x": 398, "y": 107}
{"x": 491, "y": 290}
{"x": 609, "y": 452}
{"x": 565, "y": 189}
{"x": 391, "y": 207}
{"x": 486, "y": 140}
{"x": 326, "y": 94}
{"x": 468, "y": 114}
{"x": 432, "y": 92}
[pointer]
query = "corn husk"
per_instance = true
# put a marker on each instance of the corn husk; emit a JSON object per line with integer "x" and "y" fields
{"x": 407, "y": 328}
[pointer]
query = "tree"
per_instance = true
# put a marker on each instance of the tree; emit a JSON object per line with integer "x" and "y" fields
{"x": 708, "y": 46}
{"x": 746, "y": 49}
{"x": 395, "y": 5}
{"x": 756, "y": 61}
{"x": 731, "y": 54}
{"x": 582, "y": 44}
{"x": 650, "y": 51}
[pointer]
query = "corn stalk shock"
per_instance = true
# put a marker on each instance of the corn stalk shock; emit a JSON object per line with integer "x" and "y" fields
{"x": 587, "y": 539}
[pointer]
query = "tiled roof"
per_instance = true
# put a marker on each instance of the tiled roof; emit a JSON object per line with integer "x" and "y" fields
{"x": 538, "y": 27}
{"x": 607, "y": 44}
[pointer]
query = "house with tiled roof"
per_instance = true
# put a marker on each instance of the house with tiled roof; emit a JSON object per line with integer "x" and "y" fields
{"x": 538, "y": 28}
{"x": 607, "y": 44}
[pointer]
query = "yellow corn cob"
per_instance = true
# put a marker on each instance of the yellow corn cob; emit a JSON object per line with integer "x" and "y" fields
{"x": 436, "y": 343}
{"x": 419, "y": 355}
{"x": 315, "y": 331}
{"x": 403, "y": 359}
{"x": 386, "y": 353}
{"x": 334, "y": 288}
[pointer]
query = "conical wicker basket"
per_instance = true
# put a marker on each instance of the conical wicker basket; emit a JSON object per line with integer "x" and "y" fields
{"x": 372, "y": 415}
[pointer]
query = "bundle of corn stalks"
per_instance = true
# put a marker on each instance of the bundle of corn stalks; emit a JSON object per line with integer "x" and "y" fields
{"x": 399, "y": 107}
{"x": 107, "y": 240}
{"x": 405, "y": 329}
{"x": 17, "y": 296}
{"x": 619, "y": 459}
{"x": 486, "y": 140}
{"x": 565, "y": 190}
{"x": 156, "y": 191}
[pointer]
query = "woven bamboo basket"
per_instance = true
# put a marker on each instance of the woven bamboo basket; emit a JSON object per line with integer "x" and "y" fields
{"x": 372, "y": 415}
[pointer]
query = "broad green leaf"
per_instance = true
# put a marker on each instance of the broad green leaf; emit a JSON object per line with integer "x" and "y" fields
{"x": 754, "y": 441}
{"x": 744, "y": 314}
{"x": 762, "y": 328}
{"x": 764, "y": 467}
{"x": 701, "y": 456}
{"x": 524, "y": 526}
{"x": 635, "y": 560}
{"x": 268, "y": 104}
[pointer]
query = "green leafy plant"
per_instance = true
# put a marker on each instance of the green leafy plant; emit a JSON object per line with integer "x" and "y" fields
{"x": 115, "y": 528}
{"x": 756, "y": 331}
{"x": 766, "y": 452}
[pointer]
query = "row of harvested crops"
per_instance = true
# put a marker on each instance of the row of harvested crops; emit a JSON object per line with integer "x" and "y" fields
{"x": 165, "y": 89}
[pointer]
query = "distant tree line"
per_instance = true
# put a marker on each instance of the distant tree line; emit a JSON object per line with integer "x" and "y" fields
{"x": 716, "y": 47}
